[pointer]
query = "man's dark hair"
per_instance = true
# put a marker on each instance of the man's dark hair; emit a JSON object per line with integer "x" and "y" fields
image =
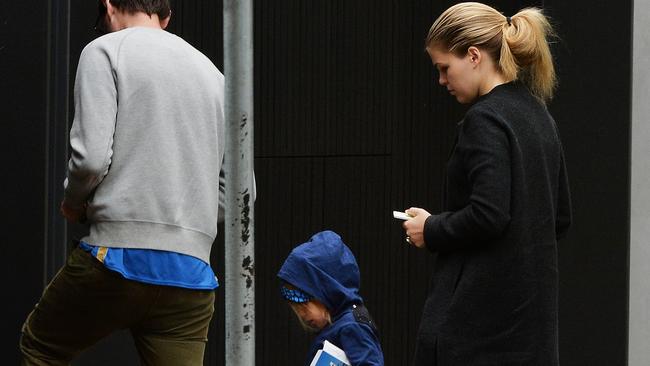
{"x": 159, "y": 7}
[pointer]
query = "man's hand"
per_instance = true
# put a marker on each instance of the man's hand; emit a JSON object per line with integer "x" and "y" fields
{"x": 414, "y": 226}
{"x": 73, "y": 214}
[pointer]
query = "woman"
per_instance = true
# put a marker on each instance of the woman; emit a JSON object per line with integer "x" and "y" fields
{"x": 494, "y": 291}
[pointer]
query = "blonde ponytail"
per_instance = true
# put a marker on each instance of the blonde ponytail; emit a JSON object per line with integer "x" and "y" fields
{"x": 518, "y": 44}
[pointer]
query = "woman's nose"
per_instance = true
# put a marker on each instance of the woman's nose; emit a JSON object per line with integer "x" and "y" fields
{"x": 442, "y": 80}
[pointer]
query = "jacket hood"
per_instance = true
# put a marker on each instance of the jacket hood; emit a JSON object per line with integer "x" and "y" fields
{"x": 325, "y": 268}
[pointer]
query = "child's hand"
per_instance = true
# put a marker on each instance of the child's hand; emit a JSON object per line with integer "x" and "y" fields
{"x": 414, "y": 226}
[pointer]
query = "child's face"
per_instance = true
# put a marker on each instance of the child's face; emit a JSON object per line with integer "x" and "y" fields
{"x": 313, "y": 314}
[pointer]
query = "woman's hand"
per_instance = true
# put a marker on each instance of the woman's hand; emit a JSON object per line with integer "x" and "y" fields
{"x": 414, "y": 226}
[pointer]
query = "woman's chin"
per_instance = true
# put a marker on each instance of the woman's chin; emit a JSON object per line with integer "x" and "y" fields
{"x": 463, "y": 100}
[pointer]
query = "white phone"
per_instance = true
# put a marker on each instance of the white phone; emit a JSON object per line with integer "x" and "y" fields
{"x": 401, "y": 215}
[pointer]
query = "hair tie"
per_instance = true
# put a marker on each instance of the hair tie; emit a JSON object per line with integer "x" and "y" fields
{"x": 509, "y": 20}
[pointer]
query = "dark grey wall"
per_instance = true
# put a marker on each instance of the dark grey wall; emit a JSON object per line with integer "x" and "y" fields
{"x": 351, "y": 124}
{"x": 592, "y": 108}
{"x": 23, "y": 82}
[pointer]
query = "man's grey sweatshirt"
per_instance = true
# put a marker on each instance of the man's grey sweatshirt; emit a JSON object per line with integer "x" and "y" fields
{"x": 147, "y": 143}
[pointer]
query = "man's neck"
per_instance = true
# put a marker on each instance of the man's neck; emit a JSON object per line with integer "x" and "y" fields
{"x": 139, "y": 19}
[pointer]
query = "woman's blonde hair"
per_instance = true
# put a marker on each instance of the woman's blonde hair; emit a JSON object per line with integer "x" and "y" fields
{"x": 519, "y": 44}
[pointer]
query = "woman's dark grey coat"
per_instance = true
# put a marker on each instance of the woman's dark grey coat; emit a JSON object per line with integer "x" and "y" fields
{"x": 493, "y": 296}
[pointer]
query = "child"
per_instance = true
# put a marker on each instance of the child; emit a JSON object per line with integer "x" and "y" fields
{"x": 321, "y": 283}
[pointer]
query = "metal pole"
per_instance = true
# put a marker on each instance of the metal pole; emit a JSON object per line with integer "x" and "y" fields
{"x": 239, "y": 236}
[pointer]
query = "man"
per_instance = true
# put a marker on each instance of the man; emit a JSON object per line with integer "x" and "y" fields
{"x": 147, "y": 147}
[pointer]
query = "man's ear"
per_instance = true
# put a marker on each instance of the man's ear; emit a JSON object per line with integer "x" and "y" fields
{"x": 110, "y": 9}
{"x": 474, "y": 54}
{"x": 164, "y": 22}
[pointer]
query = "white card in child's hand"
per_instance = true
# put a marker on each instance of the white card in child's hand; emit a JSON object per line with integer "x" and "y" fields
{"x": 335, "y": 351}
{"x": 401, "y": 215}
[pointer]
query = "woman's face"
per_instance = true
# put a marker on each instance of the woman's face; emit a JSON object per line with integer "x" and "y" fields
{"x": 313, "y": 314}
{"x": 458, "y": 74}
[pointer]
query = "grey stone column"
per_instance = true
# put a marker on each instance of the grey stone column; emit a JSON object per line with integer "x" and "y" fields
{"x": 239, "y": 161}
{"x": 639, "y": 312}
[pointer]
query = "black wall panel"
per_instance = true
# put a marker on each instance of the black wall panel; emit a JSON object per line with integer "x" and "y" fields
{"x": 23, "y": 85}
{"x": 347, "y": 84}
{"x": 592, "y": 108}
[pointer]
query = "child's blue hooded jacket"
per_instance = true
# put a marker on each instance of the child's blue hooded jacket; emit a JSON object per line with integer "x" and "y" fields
{"x": 325, "y": 268}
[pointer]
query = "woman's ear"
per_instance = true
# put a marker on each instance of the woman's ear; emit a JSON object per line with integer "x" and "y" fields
{"x": 474, "y": 55}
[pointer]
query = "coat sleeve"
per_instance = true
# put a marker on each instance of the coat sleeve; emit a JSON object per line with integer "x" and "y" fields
{"x": 564, "y": 209}
{"x": 91, "y": 135}
{"x": 361, "y": 345}
{"x": 484, "y": 152}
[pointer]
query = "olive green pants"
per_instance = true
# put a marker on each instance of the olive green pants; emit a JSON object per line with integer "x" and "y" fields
{"x": 85, "y": 302}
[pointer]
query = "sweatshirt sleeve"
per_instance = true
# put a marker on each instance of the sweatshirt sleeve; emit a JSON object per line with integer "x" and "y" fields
{"x": 484, "y": 150}
{"x": 222, "y": 194}
{"x": 221, "y": 215}
{"x": 91, "y": 135}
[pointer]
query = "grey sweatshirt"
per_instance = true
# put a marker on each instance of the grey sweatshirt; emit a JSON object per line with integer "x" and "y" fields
{"x": 147, "y": 143}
